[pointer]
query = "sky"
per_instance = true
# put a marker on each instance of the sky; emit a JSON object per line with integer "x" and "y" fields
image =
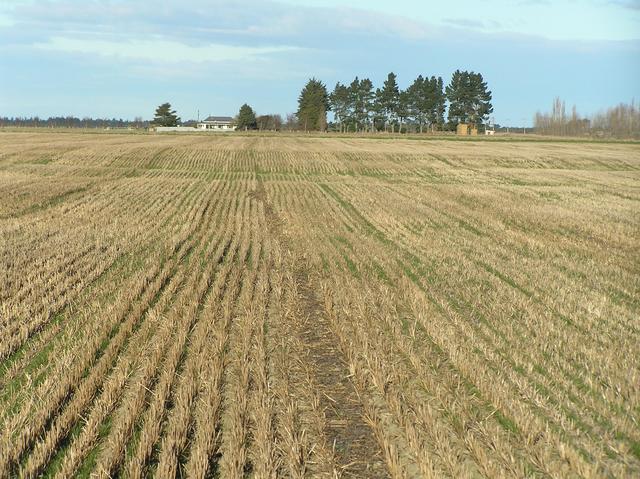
{"x": 122, "y": 58}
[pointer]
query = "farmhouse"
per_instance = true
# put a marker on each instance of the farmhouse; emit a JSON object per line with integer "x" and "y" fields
{"x": 218, "y": 123}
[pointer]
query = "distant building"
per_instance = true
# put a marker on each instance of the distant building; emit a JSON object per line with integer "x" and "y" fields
{"x": 217, "y": 123}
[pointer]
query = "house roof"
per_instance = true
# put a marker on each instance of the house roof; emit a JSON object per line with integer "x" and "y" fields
{"x": 219, "y": 118}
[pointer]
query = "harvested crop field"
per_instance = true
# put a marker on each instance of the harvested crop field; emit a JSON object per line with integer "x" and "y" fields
{"x": 244, "y": 306}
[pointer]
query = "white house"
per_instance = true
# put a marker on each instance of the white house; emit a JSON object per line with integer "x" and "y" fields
{"x": 217, "y": 123}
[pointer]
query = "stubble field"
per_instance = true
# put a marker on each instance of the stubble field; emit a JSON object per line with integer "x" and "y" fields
{"x": 243, "y": 306}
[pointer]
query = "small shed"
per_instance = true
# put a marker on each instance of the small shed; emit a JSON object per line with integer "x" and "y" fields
{"x": 467, "y": 129}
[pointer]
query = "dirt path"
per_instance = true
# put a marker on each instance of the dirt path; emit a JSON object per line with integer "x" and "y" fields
{"x": 354, "y": 443}
{"x": 356, "y": 449}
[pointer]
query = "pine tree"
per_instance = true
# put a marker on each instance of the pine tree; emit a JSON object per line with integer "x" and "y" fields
{"x": 404, "y": 108}
{"x": 457, "y": 94}
{"x": 469, "y": 98}
{"x": 340, "y": 104}
{"x": 246, "y": 119}
{"x": 440, "y": 104}
{"x": 418, "y": 103}
{"x": 165, "y": 116}
{"x": 361, "y": 102}
{"x": 427, "y": 102}
{"x": 388, "y": 99}
{"x": 354, "y": 103}
{"x": 313, "y": 104}
{"x": 366, "y": 99}
{"x": 380, "y": 118}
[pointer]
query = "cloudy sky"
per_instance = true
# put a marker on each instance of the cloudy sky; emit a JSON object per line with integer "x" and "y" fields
{"x": 117, "y": 58}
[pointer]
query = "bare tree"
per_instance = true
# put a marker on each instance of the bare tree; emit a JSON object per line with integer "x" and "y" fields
{"x": 621, "y": 121}
{"x": 558, "y": 123}
{"x": 291, "y": 123}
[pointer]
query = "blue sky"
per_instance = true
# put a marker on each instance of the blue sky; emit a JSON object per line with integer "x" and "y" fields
{"x": 115, "y": 58}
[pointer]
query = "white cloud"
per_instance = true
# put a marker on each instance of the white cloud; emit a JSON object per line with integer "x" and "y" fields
{"x": 161, "y": 50}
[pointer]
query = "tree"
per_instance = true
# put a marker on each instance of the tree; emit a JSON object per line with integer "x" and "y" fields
{"x": 361, "y": 102}
{"x": 558, "y": 123}
{"x": 427, "y": 102}
{"x": 165, "y": 116}
{"x": 340, "y": 104}
{"x": 417, "y": 103}
{"x": 404, "y": 108}
{"x": 469, "y": 98}
{"x": 380, "y": 117}
{"x": 354, "y": 112}
{"x": 388, "y": 99}
{"x": 440, "y": 99}
{"x": 366, "y": 99}
{"x": 291, "y": 122}
{"x": 269, "y": 122}
{"x": 313, "y": 104}
{"x": 622, "y": 121}
{"x": 246, "y": 119}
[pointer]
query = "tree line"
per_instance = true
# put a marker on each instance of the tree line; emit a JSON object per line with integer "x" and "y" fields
{"x": 622, "y": 121}
{"x": 72, "y": 122}
{"x": 360, "y": 107}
